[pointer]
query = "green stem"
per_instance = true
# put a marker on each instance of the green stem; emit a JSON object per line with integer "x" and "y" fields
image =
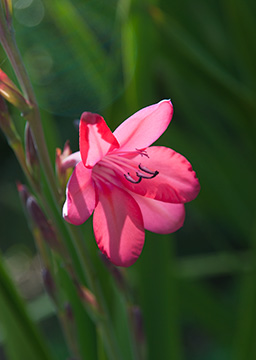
{"x": 244, "y": 344}
{"x": 105, "y": 326}
{"x": 70, "y": 334}
{"x": 33, "y": 116}
{"x": 18, "y": 149}
{"x": 138, "y": 348}
{"x": 104, "y": 322}
{"x": 15, "y": 313}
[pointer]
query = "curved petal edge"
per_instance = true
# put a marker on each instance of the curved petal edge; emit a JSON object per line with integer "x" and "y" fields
{"x": 80, "y": 196}
{"x": 145, "y": 126}
{"x": 118, "y": 226}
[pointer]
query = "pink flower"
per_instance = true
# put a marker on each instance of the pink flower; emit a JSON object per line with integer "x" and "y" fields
{"x": 127, "y": 184}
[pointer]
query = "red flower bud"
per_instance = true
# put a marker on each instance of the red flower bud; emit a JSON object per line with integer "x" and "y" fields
{"x": 40, "y": 220}
{"x": 11, "y": 93}
{"x": 48, "y": 282}
{"x": 116, "y": 273}
{"x": 87, "y": 296}
{"x": 137, "y": 322}
{"x": 69, "y": 312}
{"x": 62, "y": 172}
{"x": 7, "y": 4}
{"x": 23, "y": 192}
{"x": 31, "y": 152}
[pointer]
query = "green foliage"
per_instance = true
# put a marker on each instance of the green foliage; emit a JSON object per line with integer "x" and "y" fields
{"x": 21, "y": 336}
{"x": 196, "y": 288}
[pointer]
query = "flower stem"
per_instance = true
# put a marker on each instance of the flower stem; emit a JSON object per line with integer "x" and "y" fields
{"x": 244, "y": 340}
{"x": 75, "y": 241}
{"x": 104, "y": 322}
{"x": 33, "y": 114}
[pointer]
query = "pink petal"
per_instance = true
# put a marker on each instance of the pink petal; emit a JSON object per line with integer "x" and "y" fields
{"x": 71, "y": 160}
{"x": 176, "y": 181}
{"x": 145, "y": 126}
{"x": 96, "y": 139}
{"x": 80, "y": 196}
{"x": 118, "y": 226}
{"x": 160, "y": 217}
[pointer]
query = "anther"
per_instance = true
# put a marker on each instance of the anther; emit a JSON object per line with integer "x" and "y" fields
{"x": 146, "y": 170}
{"x": 129, "y": 178}
{"x": 149, "y": 174}
{"x": 139, "y": 174}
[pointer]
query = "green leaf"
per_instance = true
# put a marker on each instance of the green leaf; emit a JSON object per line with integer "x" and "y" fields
{"x": 160, "y": 298}
{"x": 92, "y": 59}
{"x": 22, "y": 338}
{"x": 207, "y": 310}
{"x": 84, "y": 330}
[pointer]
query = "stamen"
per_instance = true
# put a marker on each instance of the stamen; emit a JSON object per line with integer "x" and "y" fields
{"x": 139, "y": 174}
{"x": 146, "y": 170}
{"x": 129, "y": 178}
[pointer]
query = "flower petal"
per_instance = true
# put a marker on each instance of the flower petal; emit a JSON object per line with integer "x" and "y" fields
{"x": 160, "y": 217}
{"x": 176, "y": 181}
{"x": 71, "y": 160}
{"x": 145, "y": 126}
{"x": 118, "y": 226}
{"x": 96, "y": 139}
{"x": 80, "y": 196}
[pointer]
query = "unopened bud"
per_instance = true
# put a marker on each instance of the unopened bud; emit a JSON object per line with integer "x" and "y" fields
{"x": 3, "y": 107}
{"x": 63, "y": 172}
{"x": 31, "y": 152}
{"x": 46, "y": 229}
{"x": 11, "y": 93}
{"x": 61, "y": 156}
{"x": 87, "y": 296}
{"x": 23, "y": 193}
{"x": 49, "y": 283}
{"x": 7, "y": 4}
{"x": 115, "y": 272}
{"x": 137, "y": 322}
{"x": 69, "y": 312}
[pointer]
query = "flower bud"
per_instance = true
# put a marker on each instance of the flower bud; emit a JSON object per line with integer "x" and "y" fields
{"x": 63, "y": 173}
{"x": 61, "y": 156}
{"x": 23, "y": 193}
{"x": 69, "y": 312}
{"x": 31, "y": 152}
{"x": 115, "y": 272}
{"x": 49, "y": 283}
{"x": 7, "y": 4}
{"x": 137, "y": 322}
{"x": 41, "y": 222}
{"x": 11, "y": 93}
{"x": 87, "y": 296}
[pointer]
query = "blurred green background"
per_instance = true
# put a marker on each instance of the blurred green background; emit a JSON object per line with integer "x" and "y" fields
{"x": 197, "y": 287}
